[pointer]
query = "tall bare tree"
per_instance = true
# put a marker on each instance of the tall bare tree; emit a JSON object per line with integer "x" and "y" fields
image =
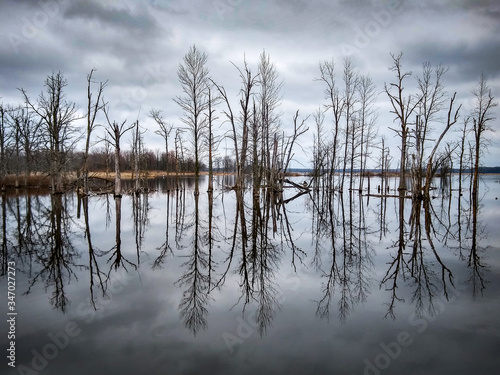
{"x": 25, "y": 134}
{"x": 193, "y": 76}
{"x": 431, "y": 168}
{"x": 351, "y": 82}
{"x": 482, "y": 115}
{"x": 432, "y": 100}
{"x": 115, "y": 131}
{"x": 4, "y": 144}
{"x": 211, "y": 140}
{"x": 367, "y": 119}
{"x": 336, "y": 103}
{"x": 93, "y": 108}
{"x": 164, "y": 132}
{"x": 403, "y": 107}
{"x": 249, "y": 81}
{"x": 58, "y": 116}
{"x": 267, "y": 122}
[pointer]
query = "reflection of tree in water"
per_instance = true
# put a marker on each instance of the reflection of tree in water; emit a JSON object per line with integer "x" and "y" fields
{"x": 423, "y": 267}
{"x": 263, "y": 258}
{"x": 5, "y": 239}
{"x": 340, "y": 224}
{"x": 117, "y": 258}
{"x": 140, "y": 211}
{"x": 54, "y": 251}
{"x": 18, "y": 242}
{"x": 257, "y": 236}
{"x": 258, "y": 244}
{"x": 196, "y": 280}
{"x": 476, "y": 265}
{"x": 96, "y": 276}
{"x": 165, "y": 248}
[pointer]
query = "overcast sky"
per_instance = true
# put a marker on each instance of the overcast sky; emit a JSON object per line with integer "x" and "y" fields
{"x": 138, "y": 44}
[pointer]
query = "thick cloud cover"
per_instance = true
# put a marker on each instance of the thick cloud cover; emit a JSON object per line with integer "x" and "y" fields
{"x": 138, "y": 44}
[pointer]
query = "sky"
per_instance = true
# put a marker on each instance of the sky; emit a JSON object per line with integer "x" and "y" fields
{"x": 137, "y": 45}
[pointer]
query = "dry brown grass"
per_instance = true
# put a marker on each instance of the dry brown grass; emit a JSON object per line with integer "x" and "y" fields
{"x": 33, "y": 180}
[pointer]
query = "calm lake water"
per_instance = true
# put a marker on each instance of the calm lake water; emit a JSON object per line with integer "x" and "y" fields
{"x": 174, "y": 283}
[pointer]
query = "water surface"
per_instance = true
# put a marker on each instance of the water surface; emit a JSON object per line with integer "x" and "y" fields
{"x": 172, "y": 282}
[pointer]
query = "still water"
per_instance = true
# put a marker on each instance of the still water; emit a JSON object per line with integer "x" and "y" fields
{"x": 175, "y": 283}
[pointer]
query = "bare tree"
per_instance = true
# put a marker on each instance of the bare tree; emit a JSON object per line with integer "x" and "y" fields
{"x": 115, "y": 132}
{"x": 403, "y": 108}
{"x": 266, "y": 122}
{"x": 367, "y": 119}
{"x": 482, "y": 115}
{"x": 137, "y": 152}
{"x": 319, "y": 151}
{"x": 432, "y": 100}
{"x": 463, "y": 137}
{"x": 164, "y": 132}
{"x": 288, "y": 154}
{"x": 351, "y": 81}
{"x": 451, "y": 120}
{"x": 212, "y": 101}
{"x": 336, "y": 103}
{"x": 193, "y": 76}
{"x": 58, "y": 116}
{"x": 25, "y": 135}
{"x": 4, "y": 144}
{"x": 249, "y": 81}
{"x": 93, "y": 108}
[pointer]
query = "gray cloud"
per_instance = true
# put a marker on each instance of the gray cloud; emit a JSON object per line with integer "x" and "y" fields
{"x": 127, "y": 20}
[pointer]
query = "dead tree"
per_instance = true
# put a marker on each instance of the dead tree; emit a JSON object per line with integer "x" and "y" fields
{"x": 137, "y": 151}
{"x": 299, "y": 128}
{"x": 451, "y": 120}
{"x": 211, "y": 140}
{"x": 351, "y": 82}
{"x": 164, "y": 132}
{"x": 58, "y": 116}
{"x": 336, "y": 103}
{"x": 482, "y": 115}
{"x": 266, "y": 119}
{"x": 93, "y": 108}
{"x": 367, "y": 119}
{"x": 403, "y": 108}
{"x": 193, "y": 76}
{"x": 432, "y": 101}
{"x": 249, "y": 81}
{"x": 115, "y": 131}
{"x": 4, "y": 144}
{"x": 463, "y": 137}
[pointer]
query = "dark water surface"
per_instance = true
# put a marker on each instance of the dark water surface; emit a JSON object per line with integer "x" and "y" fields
{"x": 174, "y": 283}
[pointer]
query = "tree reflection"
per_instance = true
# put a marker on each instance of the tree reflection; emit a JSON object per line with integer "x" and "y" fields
{"x": 246, "y": 242}
{"x": 96, "y": 276}
{"x": 140, "y": 212}
{"x": 263, "y": 258}
{"x": 196, "y": 280}
{"x": 422, "y": 267}
{"x": 474, "y": 262}
{"x": 5, "y": 239}
{"x": 342, "y": 235}
{"x": 55, "y": 252}
{"x": 117, "y": 258}
{"x": 165, "y": 248}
